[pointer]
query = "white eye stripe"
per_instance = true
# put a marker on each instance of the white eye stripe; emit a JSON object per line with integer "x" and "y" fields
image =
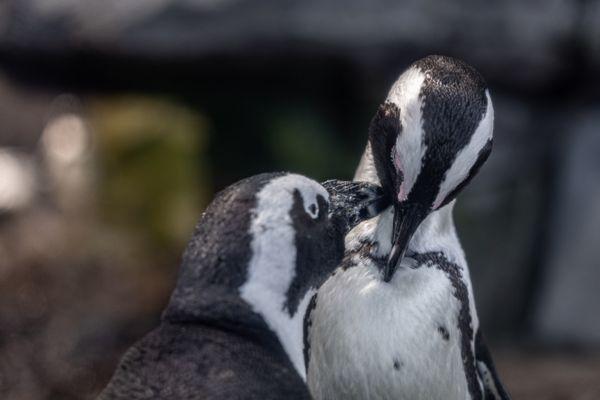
{"x": 312, "y": 210}
{"x": 466, "y": 158}
{"x": 406, "y": 94}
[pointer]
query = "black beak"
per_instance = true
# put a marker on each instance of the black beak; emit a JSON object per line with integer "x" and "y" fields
{"x": 407, "y": 218}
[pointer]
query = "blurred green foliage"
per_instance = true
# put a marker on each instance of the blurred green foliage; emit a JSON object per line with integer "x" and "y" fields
{"x": 153, "y": 175}
{"x": 303, "y": 141}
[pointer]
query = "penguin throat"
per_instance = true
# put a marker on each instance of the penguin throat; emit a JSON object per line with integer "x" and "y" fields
{"x": 436, "y": 233}
{"x": 366, "y": 171}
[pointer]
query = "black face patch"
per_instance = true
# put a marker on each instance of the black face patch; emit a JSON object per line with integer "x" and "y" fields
{"x": 454, "y": 103}
{"x": 383, "y": 131}
{"x": 319, "y": 247}
{"x": 465, "y": 321}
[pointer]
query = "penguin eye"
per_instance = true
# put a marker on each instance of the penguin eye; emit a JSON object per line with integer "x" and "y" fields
{"x": 318, "y": 209}
{"x": 313, "y": 210}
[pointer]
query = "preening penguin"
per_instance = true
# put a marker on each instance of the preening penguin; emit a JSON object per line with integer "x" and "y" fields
{"x": 397, "y": 320}
{"x": 234, "y": 327}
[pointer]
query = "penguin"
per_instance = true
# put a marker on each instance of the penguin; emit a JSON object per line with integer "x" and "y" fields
{"x": 397, "y": 319}
{"x": 234, "y": 326}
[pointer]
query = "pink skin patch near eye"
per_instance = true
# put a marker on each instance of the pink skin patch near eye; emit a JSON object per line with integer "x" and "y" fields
{"x": 398, "y": 165}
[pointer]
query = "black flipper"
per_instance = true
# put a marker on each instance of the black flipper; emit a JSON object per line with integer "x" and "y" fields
{"x": 492, "y": 387}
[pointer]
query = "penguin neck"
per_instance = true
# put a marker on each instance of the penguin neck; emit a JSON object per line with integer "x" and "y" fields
{"x": 366, "y": 171}
{"x": 437, "y": 233}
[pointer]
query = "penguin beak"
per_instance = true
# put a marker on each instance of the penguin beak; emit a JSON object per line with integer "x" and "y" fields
{"x": 407, "y": 217}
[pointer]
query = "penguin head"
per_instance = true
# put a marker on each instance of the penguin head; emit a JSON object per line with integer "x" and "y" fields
{"x": 429, "y": 139}
{"x": 281, "y": 231}
{"x": 297, "y": 231}
{"x": 265, "y": 244}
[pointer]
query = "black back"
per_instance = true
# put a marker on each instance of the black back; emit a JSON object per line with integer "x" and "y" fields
{"x": 193, "y": 361}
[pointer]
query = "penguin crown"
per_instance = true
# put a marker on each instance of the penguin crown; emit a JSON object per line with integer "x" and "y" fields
{"x": 433, "y": 132}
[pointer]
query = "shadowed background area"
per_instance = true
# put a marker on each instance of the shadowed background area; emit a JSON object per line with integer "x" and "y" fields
{"x": 120, "y": 119}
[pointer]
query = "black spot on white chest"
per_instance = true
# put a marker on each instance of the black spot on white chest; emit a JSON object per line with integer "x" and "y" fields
{"x": 443, "y": 331}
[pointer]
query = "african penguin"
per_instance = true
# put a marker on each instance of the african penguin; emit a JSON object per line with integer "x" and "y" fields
{"x": 397, "y": 320}
{"x": 234, "y": 326}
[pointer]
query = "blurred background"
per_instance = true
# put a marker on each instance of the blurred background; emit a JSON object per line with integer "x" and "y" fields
{"x": 119, "y": 120}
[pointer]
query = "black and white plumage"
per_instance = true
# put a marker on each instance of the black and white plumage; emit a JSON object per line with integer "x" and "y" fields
{"x": 234, "y": 326}
{"x": 397, "y": 320}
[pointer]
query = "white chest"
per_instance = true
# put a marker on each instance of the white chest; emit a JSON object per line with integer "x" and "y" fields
{"x": 376, "y": 340}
